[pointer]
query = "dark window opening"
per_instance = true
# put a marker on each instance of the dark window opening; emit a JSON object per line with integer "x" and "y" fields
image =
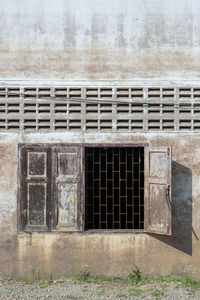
{"x": 114, "y": 188}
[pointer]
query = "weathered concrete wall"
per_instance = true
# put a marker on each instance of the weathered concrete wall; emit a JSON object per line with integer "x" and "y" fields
{"x": 105, "y": 254}
{"x": 109, "y": 41}
{"x": 86, "y": 39}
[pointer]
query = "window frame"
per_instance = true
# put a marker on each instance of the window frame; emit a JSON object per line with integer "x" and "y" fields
{"x": 106, "y": 145}
{"x": 82, "y": 146}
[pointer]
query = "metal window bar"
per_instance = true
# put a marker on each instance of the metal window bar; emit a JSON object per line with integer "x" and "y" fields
{"x": 114, "y": 188}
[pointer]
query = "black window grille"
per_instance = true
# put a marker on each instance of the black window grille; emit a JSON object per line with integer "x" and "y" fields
{"x": 114, "y": 188}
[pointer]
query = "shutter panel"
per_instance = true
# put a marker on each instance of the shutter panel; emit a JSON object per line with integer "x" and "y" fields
{"x": 157, "y": 205}
{"x": 35, "y": 184}
{"x": 67, "y": 188}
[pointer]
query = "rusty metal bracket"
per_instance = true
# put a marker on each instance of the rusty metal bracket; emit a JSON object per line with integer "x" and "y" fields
{"x": 167, "y": 196}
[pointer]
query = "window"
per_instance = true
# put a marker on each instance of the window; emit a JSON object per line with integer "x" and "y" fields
{"x": 114, "y": 188}
{"x": 50, "y": 188}
{"x": 93, "y": 187}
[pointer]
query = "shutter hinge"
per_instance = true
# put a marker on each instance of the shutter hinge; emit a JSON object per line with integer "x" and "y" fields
{"x": 168, "y": 151}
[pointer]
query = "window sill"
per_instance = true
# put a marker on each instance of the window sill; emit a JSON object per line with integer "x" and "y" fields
{"x": 110, "y": 231}
{"x": 86, "y": 232}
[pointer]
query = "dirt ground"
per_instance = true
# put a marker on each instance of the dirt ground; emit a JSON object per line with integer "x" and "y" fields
{"x": 99, "y": 289}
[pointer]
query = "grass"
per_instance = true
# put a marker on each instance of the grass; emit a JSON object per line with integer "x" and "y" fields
{"x": 100, "y": 293}
{"x": 29, "y": 281}
{"x": 119, "y": 296}
{"x": 151, "y": 289}
{"x": 86, "y": 277}
{"x": 9, "y": 280}
{"x": 157, "y": 285}
{"x": 102, "y": 280}
{"x": 166, "y": 279}
{"x": 158, "y": 293}
{"x": 136, "y": 277}
{"x": 187, "y": 281}
{"x": 135, "y": 292}
{"x": 132, "y": 287}
{"x": 45, "y": 283}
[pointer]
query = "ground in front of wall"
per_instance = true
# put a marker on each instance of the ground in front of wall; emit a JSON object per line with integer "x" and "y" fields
{"x": 92, "y": 288}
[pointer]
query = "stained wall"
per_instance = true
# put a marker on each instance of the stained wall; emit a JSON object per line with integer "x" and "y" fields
{"x": 101, "y": 39}
{"x": 107, "y": 254}
{"x": 113, "y": 41}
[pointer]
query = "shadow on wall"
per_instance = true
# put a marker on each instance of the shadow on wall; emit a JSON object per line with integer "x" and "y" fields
{"x": 182, "y": 230}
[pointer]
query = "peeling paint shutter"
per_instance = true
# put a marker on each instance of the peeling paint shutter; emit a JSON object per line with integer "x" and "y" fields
{"x": 158, "y": 190}
{"x": 67, "y": 188}
{"x": 35, "y": 185}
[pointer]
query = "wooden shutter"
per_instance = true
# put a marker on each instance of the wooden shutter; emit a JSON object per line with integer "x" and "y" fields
{"x": 157, "y": 204}
{"x": 66, "y": 170}
{"x": 34, "y": 188}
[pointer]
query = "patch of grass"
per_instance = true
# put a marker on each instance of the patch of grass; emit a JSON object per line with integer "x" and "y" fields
{"x": 108, "y": 280}
{"x": 101, "y": 280}
{"x": 166, "y": 279}
{"x": 135, "y": 292}
{"x": 151, "y": 289}
{"x": 71, "y": 297}
{"x": 158, "y": 293}
{"x": 84, "y": 276}
{"x": 119, "y": 296}
{"x": 8, "y": 280}
{"x": 29, "y": 281}
{"x": 172, "y": 278}
{"x": 135, "y": 276}
{"x": 144, "y": 280}
{"x": 45, "y": 283}
{"x": 100, "y": 293}
{"x": 187, "y": 281}
{"x": 164, "y": 286}
{"x": 177, "y": 287}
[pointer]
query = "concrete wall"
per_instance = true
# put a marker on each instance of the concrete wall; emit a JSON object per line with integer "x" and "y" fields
{"x": 108, "y": 40}
{"x": 86, "y": 39}
{"x": 105, "y": 254}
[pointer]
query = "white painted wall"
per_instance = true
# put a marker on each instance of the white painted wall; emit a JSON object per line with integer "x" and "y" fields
{"x": 101, "y": 39}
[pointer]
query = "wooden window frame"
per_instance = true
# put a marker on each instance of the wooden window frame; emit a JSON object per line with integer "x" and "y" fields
{"x": 82, "y": 146}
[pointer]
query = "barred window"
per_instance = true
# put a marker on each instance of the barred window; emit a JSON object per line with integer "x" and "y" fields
{"x": 94, "y": 187}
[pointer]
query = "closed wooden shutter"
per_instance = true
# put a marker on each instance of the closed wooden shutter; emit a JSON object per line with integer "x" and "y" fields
{"x": 50, "y": 188}
{"x": 66, "y": 171}
{"x": 157, "y": 204}
{"x": 35, "y": 188}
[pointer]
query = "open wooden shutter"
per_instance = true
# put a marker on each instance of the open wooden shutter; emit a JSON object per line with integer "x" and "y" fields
{"x": 66, "y": 170}
{"x": 158, "y": 190}
{"x": 35, "y": 184}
